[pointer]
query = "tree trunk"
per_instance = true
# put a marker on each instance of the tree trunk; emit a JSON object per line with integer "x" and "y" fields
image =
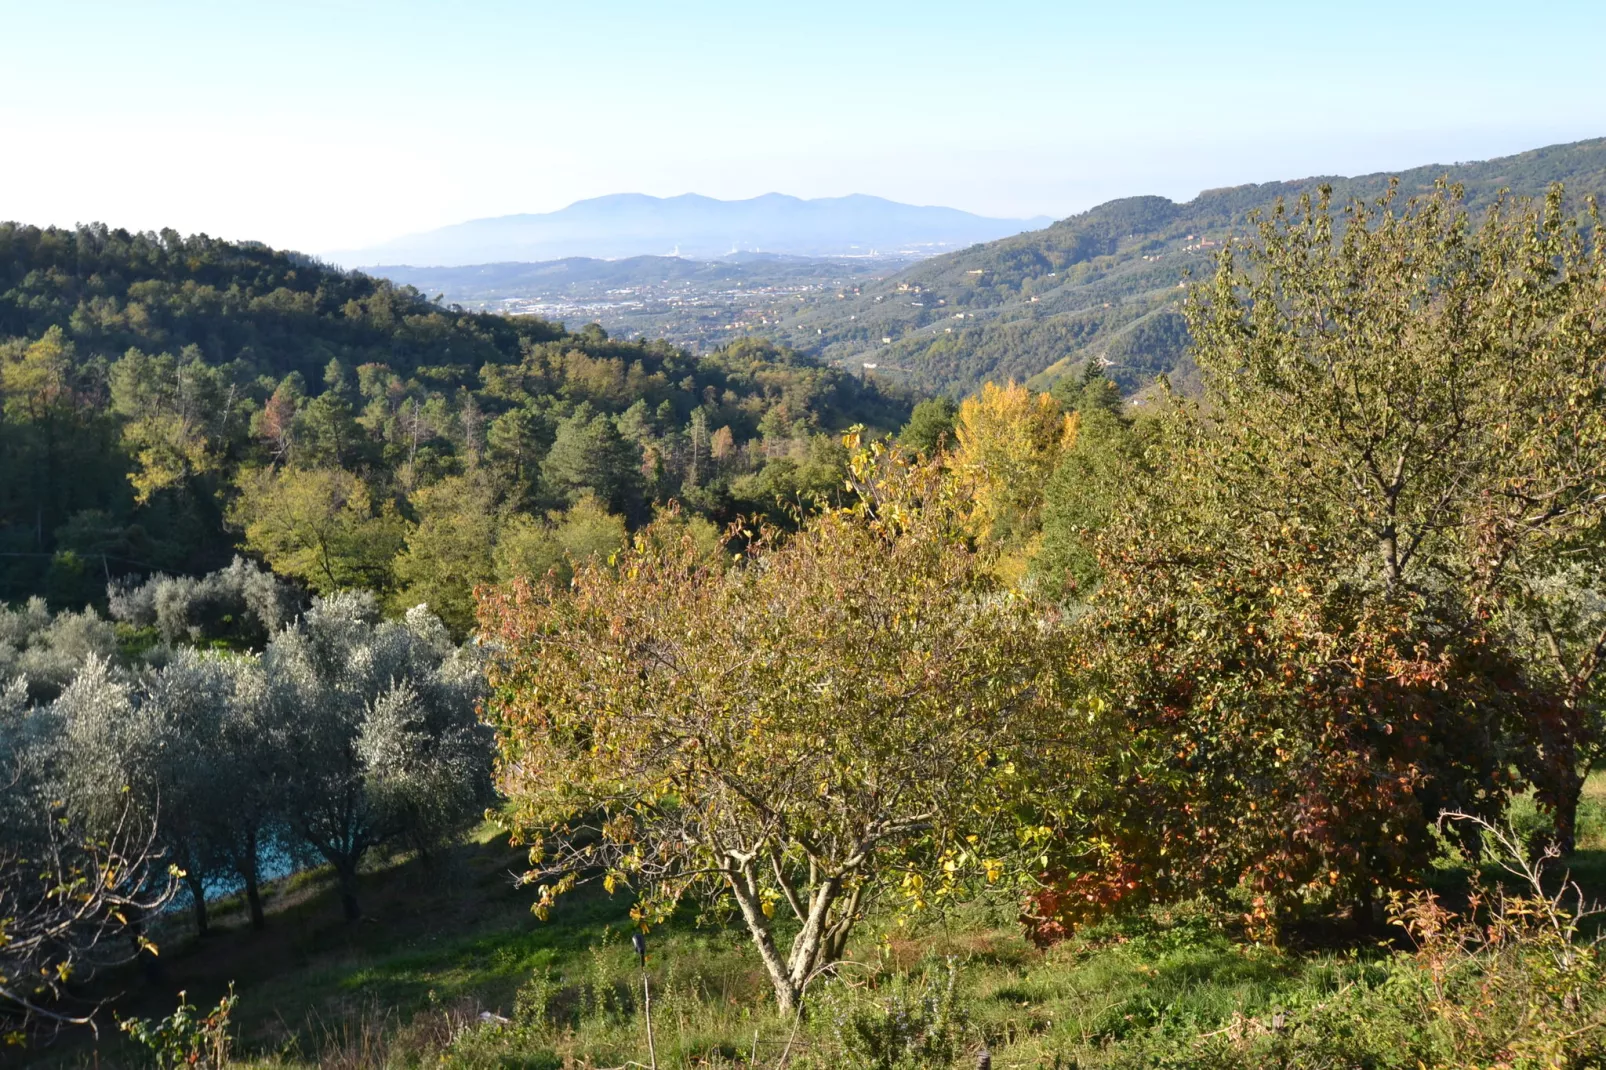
{"x": 809, "y": 944}
{"x": 348, "y": 892}
{"x": 745, "y": 890}
{"x": 787, "y": 995}
{"x": 1362, "y": 913}
{"x": 836, "y": 936}
{"x": 198, "y": 904}
{"x": 253, "y": 900}
{"x": 1568, "y": 795}
{"x": 253, "y": 890}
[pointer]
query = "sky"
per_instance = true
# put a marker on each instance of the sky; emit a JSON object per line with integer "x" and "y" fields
{"x": 330, "y": 126}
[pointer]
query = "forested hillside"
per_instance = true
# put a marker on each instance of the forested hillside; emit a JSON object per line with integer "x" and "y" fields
{"x": 1107, "y": 283}
{"x": 167, "y": 400}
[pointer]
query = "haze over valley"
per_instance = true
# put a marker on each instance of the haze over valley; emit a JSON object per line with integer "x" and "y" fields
{"x": 1102, "y": 285}
{"x": 697, "y": 227}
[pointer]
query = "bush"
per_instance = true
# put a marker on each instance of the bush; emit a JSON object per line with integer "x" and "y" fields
{"x": 1509, "y": 983}
{"x": 47, "y": 649}
{"x": 186, "y": 1039}
{"x": 915, "y": 1023}
{"x": 241, "y": 603}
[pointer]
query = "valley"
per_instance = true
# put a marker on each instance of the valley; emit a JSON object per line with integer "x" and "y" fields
{"x": 698, "y": 304}
{"x": 1103, "y": 285}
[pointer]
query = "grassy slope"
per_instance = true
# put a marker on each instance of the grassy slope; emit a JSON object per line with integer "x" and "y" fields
{"x": 1038, "y": 304}
{"x": 441, "y": 943}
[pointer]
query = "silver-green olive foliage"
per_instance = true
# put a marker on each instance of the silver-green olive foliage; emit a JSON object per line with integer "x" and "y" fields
{"x": 72, "y": 891}
{"x": 383, "y": 741}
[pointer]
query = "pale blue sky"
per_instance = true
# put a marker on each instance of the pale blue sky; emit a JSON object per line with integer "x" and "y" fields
{"x": 329, "y": 125}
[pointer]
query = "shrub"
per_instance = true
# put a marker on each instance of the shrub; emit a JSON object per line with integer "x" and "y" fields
{"x": 186, "y": 1038}
{"x": 1508, "y": 983}
{"x": 916, "y": 1022}
{"x": 242, "y": 602}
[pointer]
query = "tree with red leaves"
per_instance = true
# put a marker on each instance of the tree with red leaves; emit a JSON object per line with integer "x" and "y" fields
{"x": 1355, "y": 585}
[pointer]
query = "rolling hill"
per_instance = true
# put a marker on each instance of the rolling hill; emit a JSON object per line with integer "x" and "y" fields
{"x": 1102, "y": 284}
{"x": 146, "y": 379}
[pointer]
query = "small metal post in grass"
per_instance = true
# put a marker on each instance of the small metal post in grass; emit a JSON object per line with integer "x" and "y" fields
{"x": 638, "y": 940}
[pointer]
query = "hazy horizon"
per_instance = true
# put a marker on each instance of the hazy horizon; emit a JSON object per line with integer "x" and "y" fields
{"x": 336, "y": 126}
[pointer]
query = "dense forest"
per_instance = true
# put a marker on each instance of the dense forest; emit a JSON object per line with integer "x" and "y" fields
{"x": 168, "y": 400}
{"x": 1105, "y": 284}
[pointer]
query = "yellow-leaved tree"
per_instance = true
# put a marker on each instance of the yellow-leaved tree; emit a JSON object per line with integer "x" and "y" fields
{"x": 1010, "y": 440}
{"x": 837, "y": 714}
{"x": 323, "y": 526}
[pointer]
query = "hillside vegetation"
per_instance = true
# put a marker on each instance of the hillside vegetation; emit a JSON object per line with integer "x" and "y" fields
{"x": 450, "y": 941}
{"x": 167, "y": 400}
{"x": 1262, "y": 727}
{"x": 1106, "y": 284}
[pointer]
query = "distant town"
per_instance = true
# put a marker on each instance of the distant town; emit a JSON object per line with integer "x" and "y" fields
{"x": 700, "y": 305}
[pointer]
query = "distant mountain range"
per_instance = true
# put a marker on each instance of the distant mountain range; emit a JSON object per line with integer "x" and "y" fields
{"x": 1032, "y": 306}
{"x": 1106, "y": 284}
{"x": 696, "y": 227}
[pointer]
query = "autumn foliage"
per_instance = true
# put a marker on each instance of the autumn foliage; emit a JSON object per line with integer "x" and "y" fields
{"x": 1330, "y": 591}
{"x": 822, "y": 720}
{"x": 1008, "y": 442}
{"x": 1279, "y": 739}
{"x": 1309, "y": 616}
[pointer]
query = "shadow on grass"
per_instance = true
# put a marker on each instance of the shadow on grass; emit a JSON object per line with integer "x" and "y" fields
{"x": 442, "y": 940}
{"x": 451, "y": 930}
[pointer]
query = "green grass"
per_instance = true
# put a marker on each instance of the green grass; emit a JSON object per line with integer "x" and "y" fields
{"x": 442, "y": 942}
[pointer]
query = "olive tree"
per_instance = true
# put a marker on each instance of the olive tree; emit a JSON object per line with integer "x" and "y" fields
{"x": 254, "y": 755}
{"x": 383, "y": 745}
{"x": 193, "y": 747}
{"x": 829, "y": 716}
{"x": 150, "y": 744}
{"x": 47, "y": 649}
{"x": 71, "y": 897}
{"x": 243, "y": 602}
{"x": 215, "y": 766}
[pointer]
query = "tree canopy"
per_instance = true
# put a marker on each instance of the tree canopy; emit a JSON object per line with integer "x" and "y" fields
{"x": 780, "y": 730}
{"x": 168, "y": 401}
{"x": 1306, "y": 596}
